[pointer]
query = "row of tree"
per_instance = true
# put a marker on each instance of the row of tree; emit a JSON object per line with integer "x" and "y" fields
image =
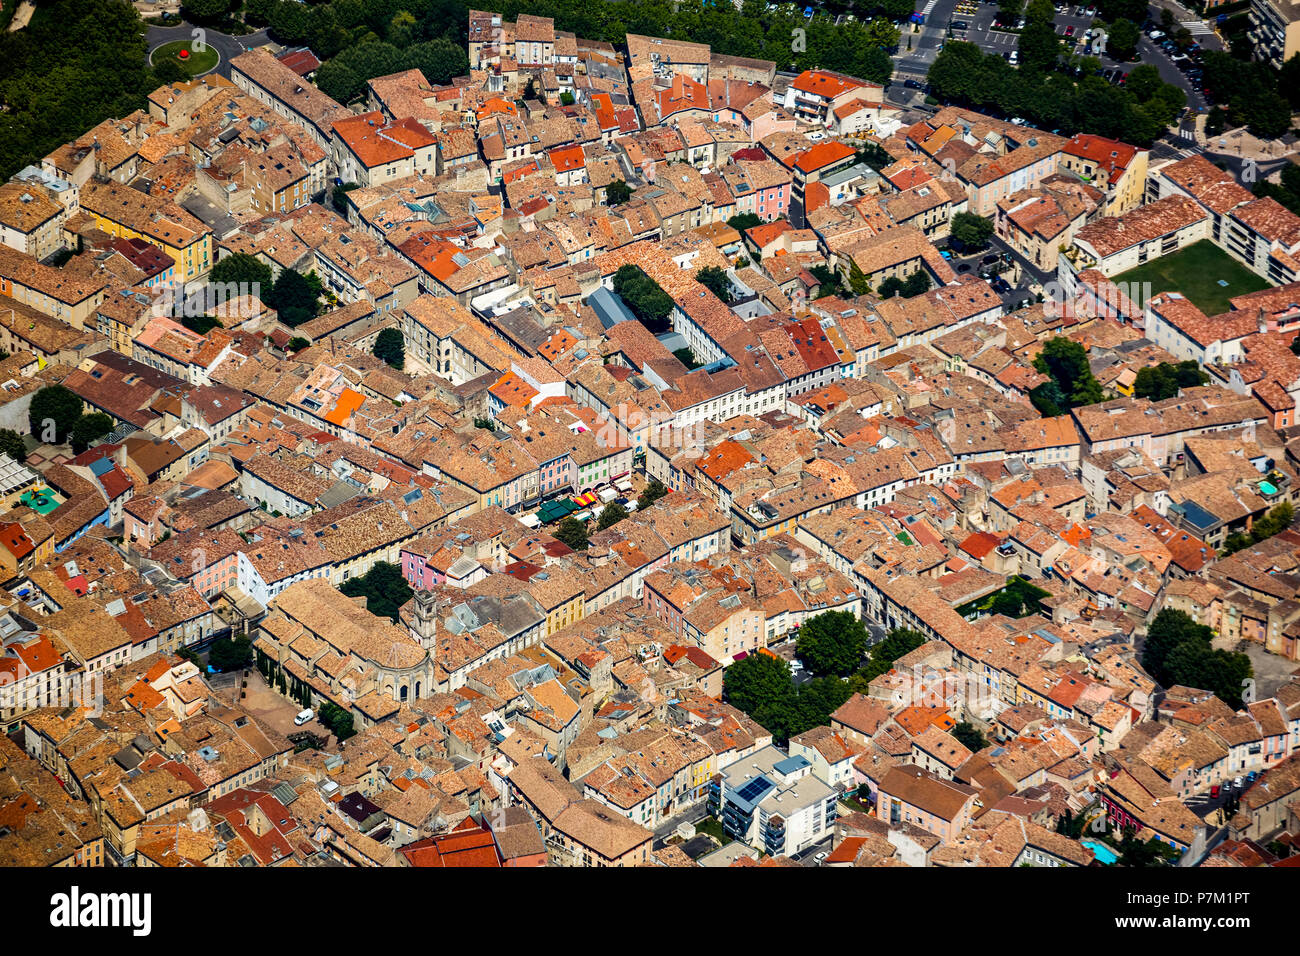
{"x": 1055, "y": 91}
{"x": 1253, "y": 94}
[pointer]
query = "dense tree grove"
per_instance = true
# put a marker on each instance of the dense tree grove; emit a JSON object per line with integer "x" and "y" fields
{"x": 1252, "y": 93}
{"x": 1177, "y": 651}
{"x": 77, "y": 63}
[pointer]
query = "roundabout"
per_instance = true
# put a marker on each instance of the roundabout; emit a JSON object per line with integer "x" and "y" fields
{"x": 194, "y": 58}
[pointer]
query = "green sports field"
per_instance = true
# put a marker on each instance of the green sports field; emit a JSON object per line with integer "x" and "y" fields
{"x": 1195, "y": 272}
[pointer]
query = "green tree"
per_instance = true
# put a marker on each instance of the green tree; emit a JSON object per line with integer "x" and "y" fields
{"x": 339, "y": 198}
{"x": 969, "y": 736}
{"x": 881, "y": 33}
{"x": 760, "y": 685}
{"x": 1277, "y": 520}
{"x": 12, "y": 444}
{"x": 744, "y": 221}
{"x": 338, "y": 720}
{"x": 653, "y": 491}
{"x": 230, "y": 655}
{"x": 244, "y": 270}
{"x": 53, "y": 412}
{"x": 197, "y": 11}
{"x": 610, "y": 515}
{"x": 617, "y": 193}
{"x": 858, "y": 280}
{"x": 202, "y": 324}
{"x": 716, "y": 281}
{"x": 1158, "y": 382}
{"x": 295, "y": 297}
{"x": 1066, "y": 363}
{"x": 573, "y": 533}
{"x": 897, "y": 642}
{"x": 1122, "y": 40}
{"x": 650, "y": 304}
{"x": 1177, "y": 650}
{"x": 969, "y": 231}
{"x": 889, "y": 287}
{"x": 832, "y": 643}
{"x": 390, "y": 347}
{"x": 915, "y": 284}
{"x": 828, "y": 282}
{"x": 383, "y": 587}
{"x": 439, "y": 60}
{"x": 89, "y": 428}
{"x": 1039, "y": 47}
{"x": 297, "y": 344}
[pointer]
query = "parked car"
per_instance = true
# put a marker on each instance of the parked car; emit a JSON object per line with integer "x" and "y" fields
{"x": 914, "y": 84}
{"x": 1214, "y": 792}
{"x": 820, "y": 857}
{"x": 1069, "y": 31}
{"x": 1252, "y": 776}
{"x": 1236, "y": 783}
{"x": 304, "y": 716}
{"x": 1014, "y": 57}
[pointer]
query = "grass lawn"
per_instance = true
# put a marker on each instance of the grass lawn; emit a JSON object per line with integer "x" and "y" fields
{"x": 1195, "y": 272}
{"x": 713, "y": 828}
{"x": 195, "y": 64}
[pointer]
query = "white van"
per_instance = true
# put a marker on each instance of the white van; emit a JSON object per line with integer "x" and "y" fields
{"x": 303, "y": 717}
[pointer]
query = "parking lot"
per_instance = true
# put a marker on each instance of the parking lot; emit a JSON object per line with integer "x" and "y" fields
{"x": 975, "y": 21}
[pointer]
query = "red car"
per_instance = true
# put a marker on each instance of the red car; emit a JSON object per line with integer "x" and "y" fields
{"x": 1214, "y": 792}
{"x": 1069, "y": 31}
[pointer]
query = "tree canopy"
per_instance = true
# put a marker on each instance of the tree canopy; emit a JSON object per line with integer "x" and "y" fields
{"x": 572, "y": 532}
{"x": 295, "y": 297}
{"x": 1163, "y": 381}
{"x": 970, "y": 231}
{"x": 54, "y": 405}
{"x": 761, "y": 686}
{"x": 89, "y": 428}
{"x": 245, "y": 270}
{"x": 1177, "y": 651}
{"x": 610, "y": 515}
{"x": 390, "y": 347}
{"x": 716, "y": 281}
{"x": 650, "y": 304}
{"x": 76, "y": 64}
{"x": 383, "y": 587}
{"x": 12, "y": 444}
{"x": 1072, "y": 383}
{"x": 617, "y": 193}
{"x": 1070, "y": 100}
{"x": 832, "y": 643}
{"x": 654, "y": 490}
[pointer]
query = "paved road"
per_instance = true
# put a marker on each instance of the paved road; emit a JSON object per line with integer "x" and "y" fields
{"x": 229, "y": 47}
